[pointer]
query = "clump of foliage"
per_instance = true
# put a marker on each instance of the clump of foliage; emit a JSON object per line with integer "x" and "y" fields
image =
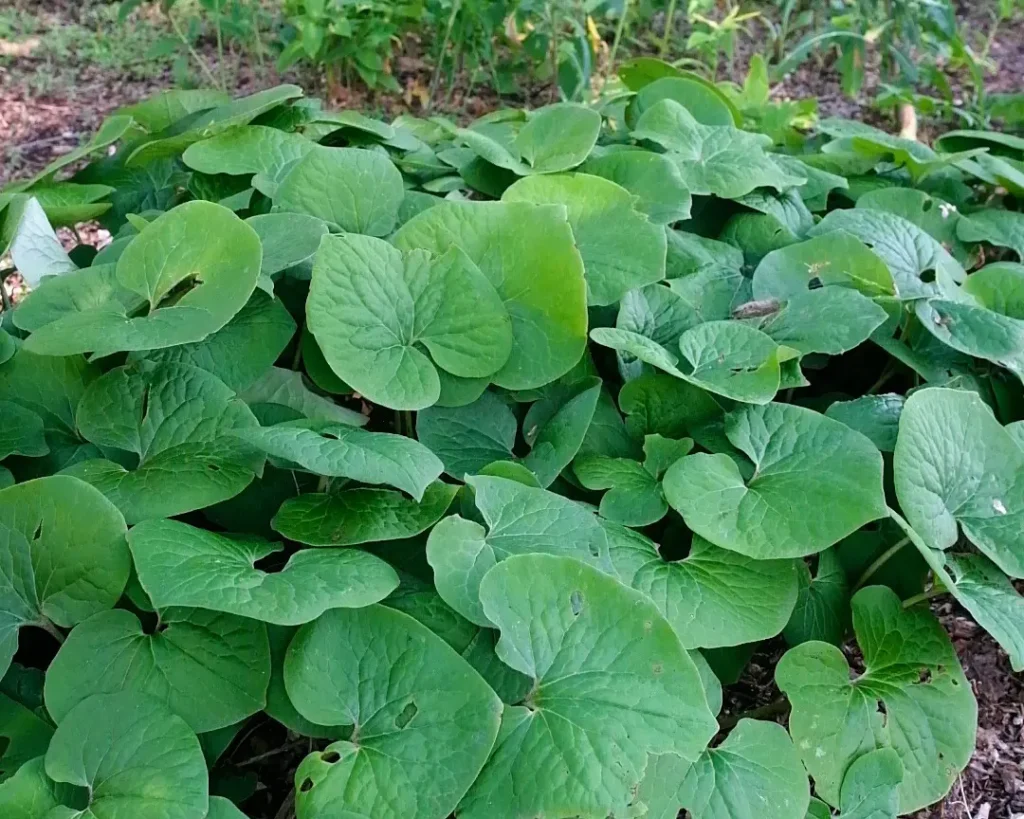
{"x": 486, "y": 458}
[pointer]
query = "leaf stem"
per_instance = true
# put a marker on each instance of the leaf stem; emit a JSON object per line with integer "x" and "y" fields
{"x": 435, "y": 81}
{"x": 934, "y": 591}
{"x": 619, "y": 29}
{"x": 47, "y": 626}
{"x": 671, "y": 13}
{"x": 880, "y": 561}
{"x": 773, "y": 709}
{"x": 191, "y": 50}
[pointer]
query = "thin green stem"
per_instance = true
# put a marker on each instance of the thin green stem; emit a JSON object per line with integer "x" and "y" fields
{"x": 553, "y": 21}
{"x": 435, "y": 80}
{"x": 191, "y": 50}
{"x": 220, "y": 50}
{"x": 669, "y": 15}
{"x": 880, "y": 561}
{"x": 935, "y": 591}
{"x": 621, "y": 27}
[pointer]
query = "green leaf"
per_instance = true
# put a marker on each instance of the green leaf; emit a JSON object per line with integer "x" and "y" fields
{"x": 706, "y": 103}
{"x": 241, "y": 351}
{"x": 135, "y": 757}
{"x": 109, "y": 132}
{"x": 332, "y": 184}
{"x": 601, "y": 710}
{"x": 559, "y": 438}
{"x": 956, "y": 469}
{"x": 279, "y": 706}
{"x": 423, "y": 720}
{"x": 173, "y": 420}
{"x": 26, "y": 234}
{"x": 211, "y": 122}
{"x": 830, "y": 320}
{"x": 180, "y": 565}
{"x": 663, "y": 405}
{"x": 30, "y": 793}
{"x": 802, "y": 462}
{"x": 287, "y": 388}
{"x": 652, "y": 178}
{"x": 554, "y": 138}
{"x": 249, "y": 149}
{"x": 25, "y": 736}
{"x": 468, "y": 438}
{"x": 357, "y": 516}
{"x": 836, "y": 258}
{"x": 289, "y": 241}
{"x": 373, "y": 308}
{"x": 199, "y": 245}
{"x": 67, "y": 203}
{"x": 520, "y": 520}
{"x": 871, "y": 786}
{"x": 876, "y": 416}
{"x": 21, "y": 432}
{"x": 755, "y": 773}
{"x": 64, "y": 556}
{"x": 919, "y": 265}
{"x": 167, "y": 107}
{"x": 822, "y": 607}
{"x": 718, "y": 160}
{"x": 697, "y": 595}
{"x": 621, "y": 248}
{"x": 341, "y": 451}
{"x": 937, "y": 218}
{"x": 728, "y": 358}
{"x": 1002, "y": 228}
{"x": 527, "y": 253}
{"x": 635, "y": 498}
{"x": 210, "y": 669}
{"x": 912, "y": 697}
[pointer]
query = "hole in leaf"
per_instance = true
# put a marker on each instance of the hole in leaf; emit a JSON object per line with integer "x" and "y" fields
{"x": 928, "y": 205}
{"x": 306, "y": 786}
{"x": 814, "y": 283}
{"x": 213, "y": 467}
{"x": 928, "y": 276}
{"x": 657, "y": 668}
{"x": 884, "y": 712}
{"x": 595, "y": 551}
{"x": 576, "y": 601}
{"x": 406, "y": 715}
{"x": 145, "y": 403}
{"x": 941, "y": 669}
{"x": 925, "y": 676}
{"x": 38, "y": 533}
{"x": 330, "y": 757}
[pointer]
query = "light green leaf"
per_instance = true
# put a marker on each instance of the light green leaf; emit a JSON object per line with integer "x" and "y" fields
{"x": 661, "y": 404}
{"x": 698, "y": 595}
{"x": 26, "y": 234}
{"x": 652, "y": 178}
{"x": 468, "y": 438}
{"x": 340, "y": 451}
{"x": 520, "y": 520}
{"x": 80, "y": 291}
{"x": 248, "y": 150}
{"x": 198, "y": 244}
{"x": 755, "y": 773}
{"x": 621, "y": 248}
{"x": 180, "y": 565}
{"x": 67, "y": 203}
{"x": 871, "y": 786}
{"x": 241, "y": 351}
{"x": 611, "y": 684}
{"x": 919, "y": 265}
{"x": 554, "y": 138}
{"x": 527, "y": 253}
{"x": 286, "y": 388}
{"x": 822, "y": 608}
{"x": 373, "y": 308}
{"x": 135, "y": 757}
{"x": 876, "y": 416}
{"x": 212, "y": 122}
{"x": 836, "y": 258}
{"x": 354, "y": 190}
{"x": 167, "y": 107}
{"x": 912, "y": 697}
{"x": 289, "y": 241}
{"x": 279, "y": 706}
{"x": 706, "y": 103}
{"x": 64, "y": 557}
{"x": 719, "y": 160}
{"x": 423, "y": 720}
{"x": 171, "y": 418}
{"x": 1002, "y": 228}
{"x": 31, "y": 794}
{"x": 956, "y": 469}
{"x": 830, "y": 320}
{"x": 210, "y": 669}
{"x": 803, "y": 462}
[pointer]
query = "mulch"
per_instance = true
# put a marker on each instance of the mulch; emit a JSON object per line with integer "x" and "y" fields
{"x": 36, "y": 130}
